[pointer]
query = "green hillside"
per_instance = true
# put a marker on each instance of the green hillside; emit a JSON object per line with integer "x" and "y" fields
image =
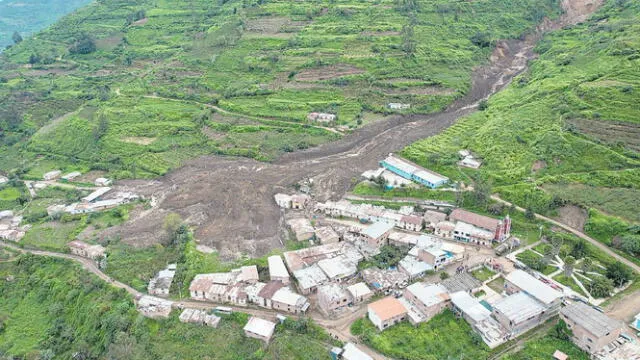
{"x": 130, "y": 86}
{"x": 566, "y": 131}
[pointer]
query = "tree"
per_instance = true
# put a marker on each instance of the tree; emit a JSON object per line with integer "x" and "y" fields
{"x": 529, "y": 214}
{"x": 600, "y": 287}
{"x": 569, "y": 263}
{"x": 83, "y": 45}
{"x": 408, "y": 42}
{"x": 547, "y": 254}
{"x": 101, "y": 128}
{"x": 618, "y": 273}
{"x": 172, "y": 223}
{"x": 561, "y": 331}
{"x": 586, "y": 265}
{"x": 579, "y": 249}
{"x": 481, "y": 191}
{"x": 444, "y": 275}
{"x": 16, "y": 37}
{"x": 556, "y": 244}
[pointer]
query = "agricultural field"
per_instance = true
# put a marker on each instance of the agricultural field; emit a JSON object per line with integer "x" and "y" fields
{"x": 52, "y": 309}
{"x": 552, "y": 138}
{"x": 137, "y": 88}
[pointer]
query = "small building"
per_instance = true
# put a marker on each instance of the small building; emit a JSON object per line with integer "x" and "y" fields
{"x": 283, "y": 200}
{"x": 102, "y": 182}
{"x": 277, "y": 270}
{"x": 377, "y": 234}
{"x": 386, "y": 312}
{"x": 444, "y": 229}
{"x": 479, "y": 318}
{"x": 414, "y": 267}
{"x": 6, "y": 214}
{"x": 300, "y": 201}
{"x": 519, "y": 280}
{"x": 83, "y": 249}
{"x": 160, "y": 284}
{"x": 70, "y": 176}
{"x": 199, "y": 317}
{"x": 52, "y": 175}
{"x": 413, "y": 172}
{"x": 332, "y": 298}
{"x": 96, "y": 194}
{"x": 301, "y": 228}
{"x": 559, "y": 355}
{"x": 592, "y": 330}
{"x": 430, "y": 299}
{"x": 253, "y": 293}
{"x": 470, "y": 234}
{"x": 434, "y": 257}
{"x": 500, "y": 229}
{"x": 326, "y": 235}
{"x": 310, "y": 278}
{"x": 470, "y": 162}
{"x": 248, "y": 274}
{"x": 398, "y": 106}
{"x": 432, "y": 218}
{"x": 411, "y": 223}
{"x": 153, "y": 307}
{"x": 3, "y": 179}
{"x": 321, "y": 117}
{"x": 338, "y": 268}
{"x": 385, "y": 280}
{"x": 266, "y": 294}
{"x": 286, "y": 300}
{"x": 360, "y": 293}
{"x": 260, "y": 329}
{"x": 351, "y": 352}
{"x": 519, "y": 313}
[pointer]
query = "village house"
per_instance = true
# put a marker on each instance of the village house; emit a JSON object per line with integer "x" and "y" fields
{"x": 368, "y": 213}
{"x": 360, "y": 293}
{"x": 309, "y": 278}
{"x": 351, "y": 352}
{"x": 199, "y": 317}
{"x": 413, "y": 267}
{"x": 286, "y": 300}
{"x": 413, "y": 172}
{"x": 435, "y": 257}
{"x": 338, "y": 268}
{"x": 301, "y": 228}
{"x": 253, "y": 294}
{"x": 52, "y": 175}
{"x": 592, "y": 330}
{"x": 298, "y": 259}
{"x": 432, "y": 218}
{"x": 277, "y": 269}
{"x": 462, "y": 282}
{"x": 102, "y": 182}
{"x": 300, "y": 201}
{"x": 332, "y": 298}
{"x": 411, "y": 223}
{"x": 80, "y": 248}
{"x": 260, "y": 329}
{"x": 160, "y": 284}
{"x": 519, "y": 280}
{"x": 468, "y": 160}
{"x": 430, "y": 299}
{"x": 247, "y": 274}
{"x": 386, "y": 312}
{"x": 3, "y": 179}
{"x": 283, "y": 200}
{"x": 398, "y": 106}
{"x": 153, "y": 307}
{"x": 326, "y": 235}
{"x": 519, "y": 313}
{"x": 321, "y": 117}
{"x": 224, "y": 287}
{"x": 479, "y": 318}
{"x": 499, "y": 229}
{"x": 444, "y": 229}
{"x": 377, "y": 234}
{"x": 385, "y": 280}
{"x": 265, "y": 294}
{"x": 72, "y": 175}
{"x": 398, "y": 239}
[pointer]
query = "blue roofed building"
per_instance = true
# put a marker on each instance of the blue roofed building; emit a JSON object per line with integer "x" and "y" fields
{"x": 413, "y": 172}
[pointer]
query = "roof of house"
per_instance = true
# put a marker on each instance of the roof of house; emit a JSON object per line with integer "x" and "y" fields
{"x": 474, "y": 231}
{"x": 359, "y": 289}
{"x": 276, "y": 267}
{"x": 461, "y": 282}
{"x": 412, "y": 219}
{"x": 96, "y": 194}
{"x": 434, "y": 216}
{"x": 325, "y": 232}
{"x": 478, "y": 220}
{"x": 351, "y": 352}
{"x": 377, "y": 229}
{"x": 518, "y": 307}
{"x": 590, "y": 319}
{"x": 310, "y": 277}
{"x": 470, "y": 306}
{"x": 248, "y": 273}
{"x": 445, "y": 225}
{"x": 387, "y": 308}
{"x": 413, "y": 266}
{"x": 333, "y": 292}
{"x": 534, "y": 287}
{"x": 78, "y": 244}
{"x": 286, "y": 296}
{"x": 338, "y": 267}
{"x": 298, "y": 259}
{"x": 428, "y": 294}
{"x": 559, "y": 355}
{"x": 269, "y": 289}
{"x": 408, "y": 167}
{"x": 260, "y": 327}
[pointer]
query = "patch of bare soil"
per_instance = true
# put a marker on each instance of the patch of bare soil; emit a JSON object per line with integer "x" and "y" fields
{"x": 328, "y": 72}
{"x": 418, "y": 90}
{"x": 46, "y": 72}
{"x": 267, "y": 25}
{"x": 212, "y": 134}
{"x": 90, "y": 177}
{"x": 54, "y": 123}
{"x": 140, "y": 140}
{"x": 140, "y": 22}
{"x": 538, "y": 165}
{"x": 577, "y": 11}
{"x": 611, "y": 132}
{"x": 109, "y": 43}
{"x": 573, "y": 216}
{"x": 233, "y": 120}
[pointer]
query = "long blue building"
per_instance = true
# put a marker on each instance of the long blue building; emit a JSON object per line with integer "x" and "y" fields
{"x": 412, "y": 172}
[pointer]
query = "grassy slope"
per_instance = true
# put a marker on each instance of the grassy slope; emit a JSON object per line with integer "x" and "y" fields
{"x": 248, "y": 57}
{"x": 585, "y": 80}
{"x": 53, "y": 306}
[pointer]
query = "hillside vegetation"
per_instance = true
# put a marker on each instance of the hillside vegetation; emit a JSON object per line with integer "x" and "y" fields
{"x": 564, "y": 132}
{"x": 138, "y": 87}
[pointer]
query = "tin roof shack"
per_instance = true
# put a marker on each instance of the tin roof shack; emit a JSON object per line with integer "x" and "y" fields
{"x": 360, "y": 293}
{"x": 398, "y": 106}
{"x": 500, "y": 229}
{"x": 332, "y": 298}
{"x": 283, "y": 200}
{"x": 519, "y": 313}
{"x": 224, "y": 287}
{"x": 385, "y": 280}
{"x": 377, "y": 234}
{"x": 286, "y": 300}
{"x": 153, "y": 307}
{"x": 479, "y": 317}
{"x": 386, "y": 312}
{"x": 70, "y": 176}
{"x": 326, "y": 235}
{"x": 310, "y": 278}
{"x": 432, "y": 218}
{"x": 80, "y": 248}
{"x": 301, "y": 228}
{"x": 300, "y": 201}
{"x": 339, "y": 268}
{"x": 103, "y": 182}
{"x": 266, "y": 293}
{"x": 199, "y": 317}
{"x": 52, "y": 175}
{"x": 247, "y": 274}
{"x": 299, "y": 259}
{"x": 321, "y": 117}
{"x": 260, "y": 329}
{"x": 462, "y": 282}
{"x": 277, "y": 270}
{"x": 351, "y": 352}
{"x": 592, "y": 330}
{"x": 429, "y": 299}
{"x": 550, "y": 298}
{"x": 3, "y": 179}
{"x": 161, "y": 283}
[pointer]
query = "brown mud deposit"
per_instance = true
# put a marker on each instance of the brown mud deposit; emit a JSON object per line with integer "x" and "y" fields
{"x": 230, "y": 201}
